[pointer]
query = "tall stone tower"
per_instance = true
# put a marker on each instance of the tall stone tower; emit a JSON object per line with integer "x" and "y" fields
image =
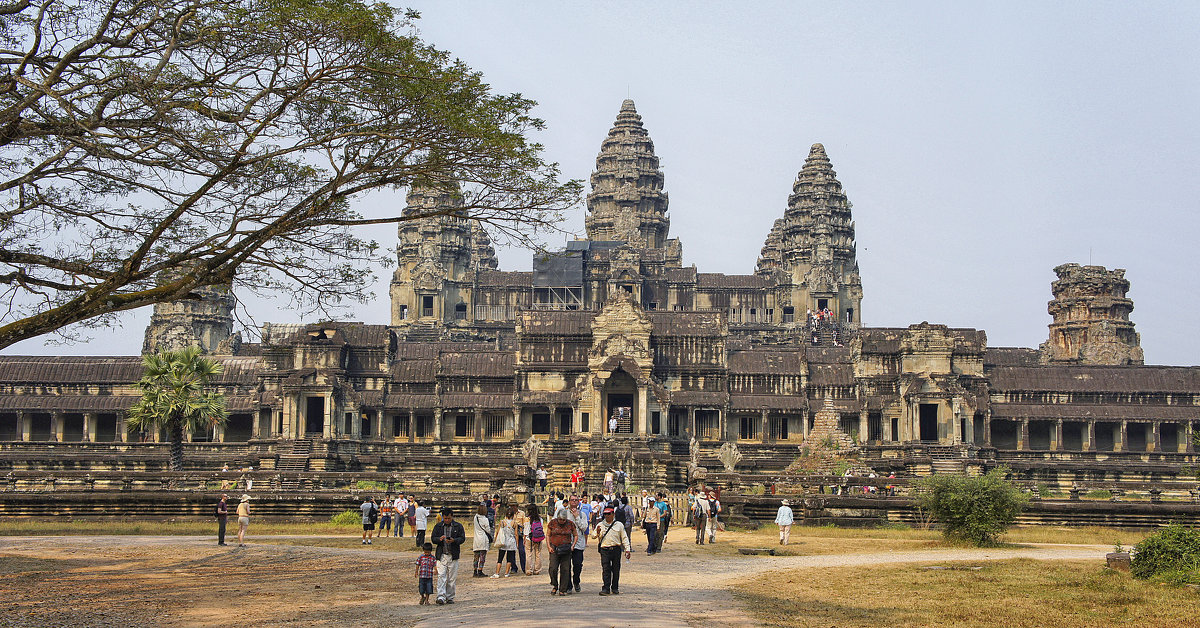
{"x": 205, "y": 321}
{"x": 440, "y": 250}
{"x": 627, "y": 202}
{"x": 811, "y": 251}
{"x": 1091, "y": 318}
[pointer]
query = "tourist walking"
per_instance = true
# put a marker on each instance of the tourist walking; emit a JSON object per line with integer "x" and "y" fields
{"x": 650, "y": 517}
{"x": 521, "y": 527}
{"x": 370, "y": 513}
{"x": 783, "y": 519}
{"x": 482, "y": 539}
{"x": 714, "y": 510}
{"x": 581, "y": 537}
{"x": 506, "y": 544}
{"x": 560, "y": 537}
{"x": 700, "y": 517}
{"x": 222, "y": 518}
{"x": 664, "y": 519}
{"x": 426, "y": 572}
{"x": 243, "y": 513}
{"x": 537, "y": 535}
{"x": 448, "y": 536}
{"x": 420, "y": 521}
{"x": 612, "y": 539}
{"x": 608, "y": 482}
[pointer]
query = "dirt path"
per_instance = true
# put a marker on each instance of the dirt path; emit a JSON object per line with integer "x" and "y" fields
{"x": 183, "y": 581}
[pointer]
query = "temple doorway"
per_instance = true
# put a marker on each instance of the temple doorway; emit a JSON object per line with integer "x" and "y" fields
{"x": 314, "y": 417}
{"x": 929, "y": 422}
{"x": 620, "y": 401}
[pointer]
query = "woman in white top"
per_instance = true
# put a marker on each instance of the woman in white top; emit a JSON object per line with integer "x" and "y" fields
{"x": 506, "y": 540}
{"x": 483, "y": 538}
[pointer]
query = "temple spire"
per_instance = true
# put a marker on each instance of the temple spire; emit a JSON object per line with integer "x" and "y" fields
{"x": 627, "y": 202}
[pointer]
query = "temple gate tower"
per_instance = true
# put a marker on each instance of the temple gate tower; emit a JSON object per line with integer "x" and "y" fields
{"x": 1091, "y": 318}
{"x": 810, "y": 251}
{"x": 440, "y": 250}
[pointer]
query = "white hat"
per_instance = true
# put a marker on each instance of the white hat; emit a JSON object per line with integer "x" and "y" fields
{"x": 787, "y": 503}
{"x": 245, "y": 497}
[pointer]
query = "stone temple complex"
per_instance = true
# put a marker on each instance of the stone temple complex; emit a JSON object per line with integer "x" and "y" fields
{"x": 478, "y": 362}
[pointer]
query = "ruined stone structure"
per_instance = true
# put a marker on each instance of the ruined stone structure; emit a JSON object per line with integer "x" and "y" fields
{"x": 476, "y": 363}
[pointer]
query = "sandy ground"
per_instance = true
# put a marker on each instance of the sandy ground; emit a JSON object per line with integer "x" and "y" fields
{"x": 189, "y": 581}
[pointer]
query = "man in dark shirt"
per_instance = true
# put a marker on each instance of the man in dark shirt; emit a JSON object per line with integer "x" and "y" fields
{"x": 222, "y": 518}
{"x": 448, "y": 536}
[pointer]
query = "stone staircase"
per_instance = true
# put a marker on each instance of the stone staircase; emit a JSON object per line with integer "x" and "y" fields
{"x": 423, "y": 332}
{"x": 296, "y": 459}
{"x": 947, "y": 460}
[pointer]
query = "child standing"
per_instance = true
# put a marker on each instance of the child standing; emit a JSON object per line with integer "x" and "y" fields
{"x": 426, "y": 572}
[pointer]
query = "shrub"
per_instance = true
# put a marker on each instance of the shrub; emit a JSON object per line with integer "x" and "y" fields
{"x": 1172, "y": 555}
{"x": 347, "y": 518}
{"x": 976, "y": 510}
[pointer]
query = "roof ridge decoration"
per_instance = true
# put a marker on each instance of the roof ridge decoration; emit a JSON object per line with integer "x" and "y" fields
{"x": 627, "y": 202}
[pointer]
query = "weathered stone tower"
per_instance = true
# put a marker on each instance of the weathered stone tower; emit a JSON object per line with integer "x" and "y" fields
{"x": 627, "y": 202}
{"x": 438, "y": 255}
{"x": 1091, "y": 318}
{"x": 811, "y": 251}
{"x": 205, "y": 321}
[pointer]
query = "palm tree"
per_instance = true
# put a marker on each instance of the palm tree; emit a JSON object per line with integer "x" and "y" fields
{"x": 173, "y": 396}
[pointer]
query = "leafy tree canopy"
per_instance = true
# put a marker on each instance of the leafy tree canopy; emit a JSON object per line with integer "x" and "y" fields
{"x": 229, "y": 138}
{"x": 976, "y": 510}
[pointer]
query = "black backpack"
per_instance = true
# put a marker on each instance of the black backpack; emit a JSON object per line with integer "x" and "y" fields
{"x": 374, "y": 515}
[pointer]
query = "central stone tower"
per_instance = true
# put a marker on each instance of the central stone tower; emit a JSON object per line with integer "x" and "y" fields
{"x": 1091, "y": 318}
{"x": 627, "y": 202}
{"x": 810, "y": 252}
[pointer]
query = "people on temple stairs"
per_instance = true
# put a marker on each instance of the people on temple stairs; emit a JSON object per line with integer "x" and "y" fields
{"x": 448, "y": 537}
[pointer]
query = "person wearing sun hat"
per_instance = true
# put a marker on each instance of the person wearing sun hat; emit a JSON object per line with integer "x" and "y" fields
{"x": 243, "y": 513}
{"x": 783, "y": 518}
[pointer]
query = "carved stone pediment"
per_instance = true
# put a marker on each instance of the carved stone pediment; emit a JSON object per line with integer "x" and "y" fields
{"x": 621, "y": 329}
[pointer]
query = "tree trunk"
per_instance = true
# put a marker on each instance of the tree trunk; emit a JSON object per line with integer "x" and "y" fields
{"x": 176, "y": 429}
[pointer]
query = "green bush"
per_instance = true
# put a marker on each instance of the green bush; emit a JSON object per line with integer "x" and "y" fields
{"x": 972, "y": 509}
{"x": 347, "y": 518}
{"x": 1172, "y": 555}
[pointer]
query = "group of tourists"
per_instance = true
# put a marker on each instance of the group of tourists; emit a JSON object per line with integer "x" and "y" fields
{"x": 243, "y": 518}
{"x": 704, "y": 506}
{"x": 397, "y": 511}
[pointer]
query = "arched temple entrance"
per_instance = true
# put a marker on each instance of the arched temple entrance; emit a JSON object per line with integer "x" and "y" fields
{"x": 620, "y": 399}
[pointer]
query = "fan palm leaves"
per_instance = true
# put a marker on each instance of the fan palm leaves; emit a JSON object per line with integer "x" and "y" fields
{"x": 174, "y": 397}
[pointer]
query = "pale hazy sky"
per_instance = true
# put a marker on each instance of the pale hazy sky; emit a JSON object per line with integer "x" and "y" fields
{"x": 981, "y": 143}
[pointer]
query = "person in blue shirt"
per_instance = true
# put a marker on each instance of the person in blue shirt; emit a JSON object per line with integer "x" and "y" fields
{"x": 664, "y": 518}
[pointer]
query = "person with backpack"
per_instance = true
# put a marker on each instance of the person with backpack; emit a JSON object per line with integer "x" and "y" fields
{"x": 536, "y": 533}
{"x": 482, "y": 540}
{"x": 664, "y": 519}
{"x": 714, "y": 509}
{"x": 370, "y": 514}
{"x": 700, "y": 517}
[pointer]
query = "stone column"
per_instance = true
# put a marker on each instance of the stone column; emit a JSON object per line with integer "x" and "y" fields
{"x": 89, "y": 427}
{"x": 643, "y": 411}
{"x": 1122, "y": 434}
{"x": 987, "y": 430}
{"x": 804, "y": 425}
{"x": 437, "y": 425}
{"x": 412, "y": 426}
{"x": 766, "y": 426}
{"x": 1156, "y": 437}
{"x": 56, "y": 425}
{"x": 1023, "y": 435}
{"x": 1089, "y": 442}
{"x": 1188, "y": 445}
{"x": 327, "y": 427}
{"x": 885, "y": 424}
{"x": 122, "y": 427}
{"x": 1056, "y": 439}
{"x": 478, "y": 424}
{"x": 25, "y": 425}
{"x": 692, "y": 423}
{"x": 220, "y": 433}
{"x": 864, "y": 427}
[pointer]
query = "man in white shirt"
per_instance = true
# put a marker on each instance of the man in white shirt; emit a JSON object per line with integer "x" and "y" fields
{"x": 401, "y": 505}
{"x": 541, "y": 477}
{"x": 612, "y": 539}
{"x": 422, "y": 522}
{"x": 783, "y": 519}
